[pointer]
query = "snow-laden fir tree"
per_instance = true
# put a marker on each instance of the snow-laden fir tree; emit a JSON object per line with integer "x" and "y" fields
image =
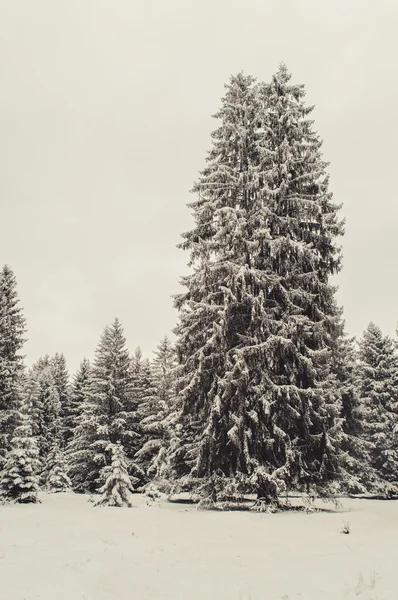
{"x": 359, "y": 476}
{"x": 78, "y": 394}
{"x": 61, "y": 381}
{"x": 156, "y": 420}
{"x": 108, "y": 411}
{"x": 19, "y": 480}
{"x": 117, "y": 488}
{"x": 80, "y": 410}
{"x": 55, "y": 473}
{"x": 84, "y": 461}
{"x": 46, "y": 409}
{"x": 146, "y": 403}
{"x": 258, "y": 321}
{"x": 12, "y": 329}
{"x": 378, "y": 390}
{"x": 163, "y": 368}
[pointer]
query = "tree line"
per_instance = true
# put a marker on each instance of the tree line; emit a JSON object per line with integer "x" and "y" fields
{"x": 263, "y": 393}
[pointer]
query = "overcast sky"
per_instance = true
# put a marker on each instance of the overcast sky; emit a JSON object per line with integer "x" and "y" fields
{"x": 105, "y": 120}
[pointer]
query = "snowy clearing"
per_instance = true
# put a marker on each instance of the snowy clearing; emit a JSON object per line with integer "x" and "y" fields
{"x": 67, "y": 549}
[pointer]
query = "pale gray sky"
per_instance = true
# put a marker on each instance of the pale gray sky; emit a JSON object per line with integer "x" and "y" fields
{"x": 105, "y": 116}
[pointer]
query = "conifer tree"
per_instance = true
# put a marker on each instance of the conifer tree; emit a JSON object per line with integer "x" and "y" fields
{"x": 163, "y": 368}
{"x": 258, "y": 321}
{"x": 12, "y": 329}
{"x": 79, "y": 390}
{"x": 19, "y": 477}
{"x": 55, "y": 476}
{"x": 107, "y": 411}
{"x": 378, "y": 389}
{"x": 116, "y": 491}
{"x": 46, "y": 409}
{"x": 156, "y": 421}
{"x": 61, "y": 381}
{"x": 359, "y": 476}
{"x": 145, "y": 403}
{"x": 31, "y": 389}
{"x": 84, "y": 461}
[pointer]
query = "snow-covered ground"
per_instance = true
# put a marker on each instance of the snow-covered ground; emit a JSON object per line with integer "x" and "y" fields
{"x": 67, "y": 549}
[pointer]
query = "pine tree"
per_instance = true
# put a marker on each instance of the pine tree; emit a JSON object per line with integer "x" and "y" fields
{"x": 117, "y": 488}
{"x": 258, "y": 321}
{"x": 56, "y": 478}
{"x": 378, "y": 389}
{"x": 107, "y": 411}
{"x": 12, "y": 329}
{"x": 61, "y": 381}
{"x": 19, "y": 478}
{"x": 156, "y": 421}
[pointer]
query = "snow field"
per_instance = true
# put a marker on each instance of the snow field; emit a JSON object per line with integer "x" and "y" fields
{"x": 67, "y": 549}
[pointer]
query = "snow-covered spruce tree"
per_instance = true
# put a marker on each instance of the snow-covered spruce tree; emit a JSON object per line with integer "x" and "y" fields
{"x": 155, "y": 422}
{"x": 359, "y": 477}
{"x": 12, "y": 329}
{"x": 116, "y": 491}
{"x": 61, "y": 381}
{"x": 258, "y": 321}
{"x": 19, "y": 480}
{"x": 46, "y": 409}
{"x": 163, "y": 369}
{"x": 108, "y": 412}
{"x": 55, "y": 473}
{"x": 146, "y": 404}
{"x": 378, "y": 390}
{"x": 78, "y": 394}
{"x": 31, "y": 389}
{"x": 83, "y": 459}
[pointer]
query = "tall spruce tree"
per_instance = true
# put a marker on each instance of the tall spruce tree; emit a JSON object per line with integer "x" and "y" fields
{"x": 155, "y": 421}
{"x": 107, "y": 411}
{"x": 61, "y": 381}
{"x": 12, "y": 329}
{"x": 359, "y": 477}
{"x": 258, "y": 321}
{"x": 378, "y": 389}
{"x": 145, "y": 403}
{"x": 78, "y": 394}
{"x": 46, "y": 408}
{"x": 163, "y": 369}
